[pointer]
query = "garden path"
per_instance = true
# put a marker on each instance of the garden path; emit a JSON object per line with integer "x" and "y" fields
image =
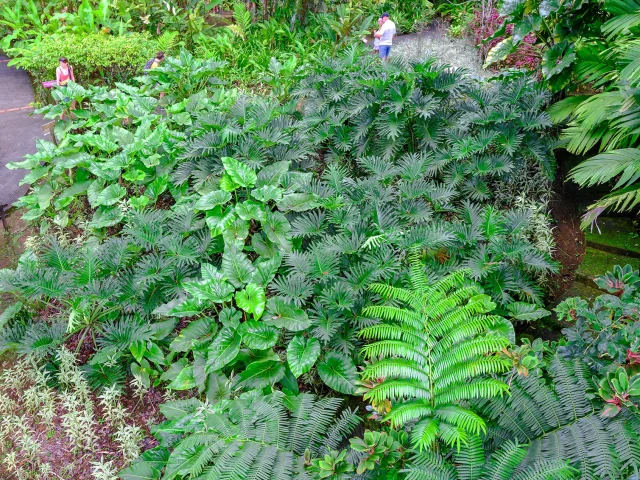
{"x": 19, "y": 130}
{"x": 434, "y": 41}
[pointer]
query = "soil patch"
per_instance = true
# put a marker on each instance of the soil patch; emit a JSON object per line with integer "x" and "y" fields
{"x": 570, "y": 239}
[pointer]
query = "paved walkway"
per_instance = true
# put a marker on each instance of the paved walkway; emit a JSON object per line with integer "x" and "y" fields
{"x": 18, "y": 130}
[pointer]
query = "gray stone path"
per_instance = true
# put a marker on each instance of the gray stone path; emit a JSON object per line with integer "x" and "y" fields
{"x": 19, "y": 130}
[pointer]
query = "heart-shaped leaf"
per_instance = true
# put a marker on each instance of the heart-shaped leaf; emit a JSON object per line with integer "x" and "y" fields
{"x": 285, "y": 315}
{"x": 302, "y": 354}
{"x": 223, "y": 350}
{"x": 239, "y": 172}
{"x": 261, "y": 374}
{"x": 252, "y": 300}
{"x": 258, "y": 335}
{"x": 338, "y": 372}
{"x": 212, "y": 199}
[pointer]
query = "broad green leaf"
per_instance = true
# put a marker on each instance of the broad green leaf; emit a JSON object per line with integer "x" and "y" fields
{"x": 180, "y": 307}
{"x": 213, "y": 199}
{"x": 223, "y": 349}
{"x": 257, "y": 335}
{"x": 111, "y": 195}
{"x": 184, "y": 381}
{"x": 219, "y": 219}
{"x": 239, "y": 172}
{"x": 44, "y": 195}
{"x": 338, "y": 372}
{"x": 237, "y": 267}
{"x": 238, "y": 231}
{"x": 271, "y": 174}
{"x": 302, "y": 354}
{"x": 526, "y": 311}
{"x": 139, "y": 203}
{"x": 278, "y": 230}
{"x": 267, "y": 193}
{"x": 140, "y": 471}
{"x": 298, "y": 202}
{"x": 213, "y": 291}
{"x": 227, "y": 184}
{"x": 250, "y": 210}
{"x": 93, "y": 191}
{"x": 61, "y": 219}
{"x": 501, "y": 51}
{"x": 260, "y": 374}
{"x": 106, "y": 217}
{"x": 9, "y": 312}
{"x": 283, "y": 315}
{"x": 218, "y": 387}
{"x": 194, "y": 333}
{"x": 252, "y": 300}
{"x": 230, "y": 317}
{"x": 266, "y": 270}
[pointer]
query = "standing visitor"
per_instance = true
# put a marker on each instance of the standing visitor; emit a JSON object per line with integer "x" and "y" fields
{"x": 64, "y": 73}
{"x": 386, "y": 34}
{"x": 155, "y": 63}
{"x": 376, "y": 40}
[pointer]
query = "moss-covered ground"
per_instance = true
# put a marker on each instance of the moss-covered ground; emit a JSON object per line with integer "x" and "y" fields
{"x": 616, "y": 232}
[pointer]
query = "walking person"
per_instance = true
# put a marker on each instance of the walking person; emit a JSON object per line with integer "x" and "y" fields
{"x": 386, "y": 34}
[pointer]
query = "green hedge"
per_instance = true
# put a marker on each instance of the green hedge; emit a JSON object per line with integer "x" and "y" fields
{"x": 96, "y": 58}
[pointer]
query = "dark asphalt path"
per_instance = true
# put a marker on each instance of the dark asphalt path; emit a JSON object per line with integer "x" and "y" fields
{"x": 18, "y": 130}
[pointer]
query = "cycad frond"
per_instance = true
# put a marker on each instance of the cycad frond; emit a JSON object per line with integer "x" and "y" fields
{"x": 251, "y": 438}
{"x": 425, "y": 380}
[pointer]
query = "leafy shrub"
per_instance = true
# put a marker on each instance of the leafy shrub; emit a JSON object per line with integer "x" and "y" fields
{"x": 95, "y": 58}
{"x": 607, "y": 119}
{"x": 606, "y": 333}
{"x": 485, "y": 23}
{"x": 558, "y": 30}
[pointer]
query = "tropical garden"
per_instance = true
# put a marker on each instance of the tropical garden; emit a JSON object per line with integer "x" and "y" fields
{"x": 278, "y": 257}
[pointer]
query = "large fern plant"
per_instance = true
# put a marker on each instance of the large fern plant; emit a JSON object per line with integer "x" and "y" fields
{"x": 556, "y": 419}
{"x": 434, "y": 350}
{"x": 253, "y": 438}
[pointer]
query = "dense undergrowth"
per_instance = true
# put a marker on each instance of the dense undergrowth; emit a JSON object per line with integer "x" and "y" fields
{"x": 324, "y": 274}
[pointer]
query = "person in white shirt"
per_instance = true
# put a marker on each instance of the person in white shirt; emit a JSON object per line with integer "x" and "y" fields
{"x": 386, "y": 34}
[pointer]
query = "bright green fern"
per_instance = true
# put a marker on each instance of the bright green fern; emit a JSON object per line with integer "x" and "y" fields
{"x": 434, "y": 350}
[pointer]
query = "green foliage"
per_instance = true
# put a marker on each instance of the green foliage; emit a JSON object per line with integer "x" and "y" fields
{"x": 608, "y": 331}
{"x": 273, "y": 436}
{"x": 554, "y": 415}
{"x": 435, "y": 349}
{"x": 619, "y": 390}
{"x": 607, "y": 119}
{"x": 95, "y": 58}
{"x": 471, "y": 463}
{"x": 559, "y": 28}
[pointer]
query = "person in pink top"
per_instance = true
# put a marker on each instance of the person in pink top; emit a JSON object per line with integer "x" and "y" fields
{"x": 64, "y": 73}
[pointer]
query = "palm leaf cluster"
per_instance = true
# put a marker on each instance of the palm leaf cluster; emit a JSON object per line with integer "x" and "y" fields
{"x": 607, "y": 120}
{"x": 266, "y": 437}
{"x": 434, "y": 350}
